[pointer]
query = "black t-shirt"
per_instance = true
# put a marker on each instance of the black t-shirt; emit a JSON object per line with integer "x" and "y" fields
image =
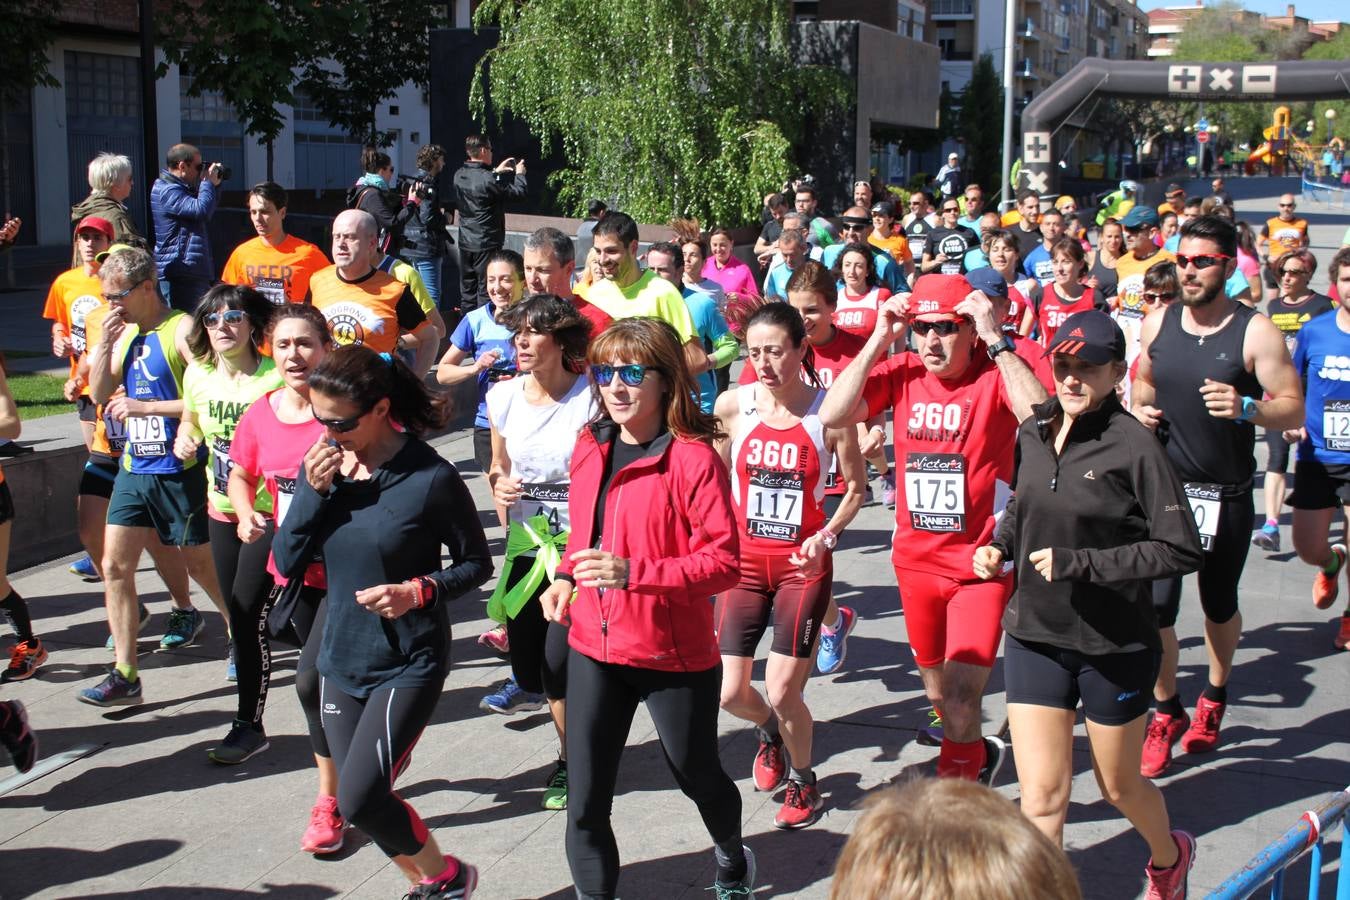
{"x": 916, "y": 233}
{"x": 1026, "y": 240}
{"x": 771, "y": 230}
{"x": 621, "y": 455}
{"x": 955, "y": 243}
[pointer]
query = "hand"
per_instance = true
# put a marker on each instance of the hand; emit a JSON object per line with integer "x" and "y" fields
{"x": 520, "y": 167}
{"x": 988, "y": 562}
{"x": 10, "y": 230}
{"x": 1044, "y": 562}
{"x": 506, "y": 165}
{"x": 872, "y": 441}
{"x": 61, "y": 345}
{"x": 114, "y": 323}
{"x": 600, "y": 569}
{"x": 893, "y": 316}
{"x": 507, "y": 491}
{"x": 981, "y": 311}
{"x": 811, "y": 556}
{"x": 1091, "y": 282}
{"x": 1149, "y": 416}
{"x": 1222, "y": 400}
{"x": 187, "y": 443}
{"x": 116, "y": 408}
{"x": 485, "y": 361}
{"x": 556, "y": 601}
{"x": 213, "y": 174}
{"x": 1295, "y": 435}
{"x": 388, "y": 601}
{"x": 322, "y": 464}
{"x": 71, "y": 389}
{"x": 251, "y": 527}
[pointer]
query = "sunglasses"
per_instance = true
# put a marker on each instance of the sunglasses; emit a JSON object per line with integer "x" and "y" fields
{"x": 1154, "y": 297}
{"x": 955, "y": 209}
{"x": 341, "y": 426}
{"x": 1286, "y": 206}
{"x": 229, "y": 317}
{"x": 943, "y": 327}
{"x": 631, "y": 374}
{"x": 850, "y": 226}
{"x": 119, "y": 295}
{"x": 1293, "y": 271}
{"x": 1202, "y": 261}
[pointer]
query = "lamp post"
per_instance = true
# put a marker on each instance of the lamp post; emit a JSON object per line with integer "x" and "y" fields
{"x": 1331, "y": 122}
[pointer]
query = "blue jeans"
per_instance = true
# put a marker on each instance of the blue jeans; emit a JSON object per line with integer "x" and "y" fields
{"x": 430, "y": 270}
{"x": 183, "y": 291}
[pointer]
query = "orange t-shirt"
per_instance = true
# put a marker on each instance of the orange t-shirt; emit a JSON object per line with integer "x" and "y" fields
{"x": 109, "y": 437}
{"x": 373, "y": 310}
{"x": 280, "y": 273}
{"x": 73, "y": 295}
{"x": 1285, "y": 236}
{"x": 897, "y": 245}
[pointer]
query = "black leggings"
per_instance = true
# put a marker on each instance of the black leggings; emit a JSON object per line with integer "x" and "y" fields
{"x": 1222, "y": 568}
{"x": 246, "y": 586}
{"x": 538, "y": 646}
{"x": 684, "y": 707}
{"x": 310, "y": 614}
{"x": 371, "y": 738}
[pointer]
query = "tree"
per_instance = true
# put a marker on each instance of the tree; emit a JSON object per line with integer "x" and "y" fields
{"x": 665, "y": 107}
{"x": 981, "y": 124}
{"x": 29, "y": 30}
{"x": 1337, "y": 48}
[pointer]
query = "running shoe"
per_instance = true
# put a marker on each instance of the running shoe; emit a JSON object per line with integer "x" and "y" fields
{"x": 801, "y": 806}
{"x": 1342, "y": 641}
{"x": 930, "y": 735}
{"x": 326, "y": 827}
{"x": 509, "y": 699}
{"x": 555, "y": 790}
{"x": 770, "y": 768}
{"x": 1203, "y": 735}
{"x": 112, "y": 691}
{"x": 1163, "y": 731}
{"x": 888, "y": 489}
{"x": 1170, "y": 884}
{"x": 1267, "y": 537}
{"x": 743, "y": 888}
{"x": 995, "y": 752}
{"x": 495, "y": 639}
{"x": 24, "y": 660}
{"x": 184, "y": 627}
{"x": 461, "y": 887}
{"x": 140, "y": 626}
{"x": 1326, "y": 587}
{"x": 242, "y": 743}
{"x": 84, "y": 569}
{"x": 231, "y": 669}
{"x": 833, "y": 647}
{"x": 18, "y": 740}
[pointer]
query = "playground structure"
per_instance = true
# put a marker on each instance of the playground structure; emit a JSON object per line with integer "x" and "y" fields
{"x": 1280, "y": 148}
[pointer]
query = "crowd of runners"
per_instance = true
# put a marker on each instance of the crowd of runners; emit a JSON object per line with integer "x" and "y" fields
{"x": 1072, "y": 416}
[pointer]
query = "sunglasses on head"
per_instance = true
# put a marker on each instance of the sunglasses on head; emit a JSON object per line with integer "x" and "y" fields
{"x": 631, "y": 374}
{"x": 341, "y": 426}
{"x": 228, "y": 316}
{"x": 1202, "y": 261}
{"x": 943, "y": 327}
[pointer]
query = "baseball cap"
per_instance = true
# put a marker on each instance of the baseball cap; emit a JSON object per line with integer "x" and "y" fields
{"x": 1140, "y": 217}
{"x": 1092, "y": 336}
{"x": 1173, "y": 189}
{"x": 883, "y": 208}
{"x": 96, "y": 223}
{"x": 115, "y": 248}
{"x": 988, "y": 282}
{"x": 938, "y": 295}
{"x": 855, "y": 220}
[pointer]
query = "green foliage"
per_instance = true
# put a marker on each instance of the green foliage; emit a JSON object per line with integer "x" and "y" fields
{"x": 30, "y": 27}
{"x": 1337, "y": 48}
{"x": 664, "y": 107}
{"x": 981, "y": 124}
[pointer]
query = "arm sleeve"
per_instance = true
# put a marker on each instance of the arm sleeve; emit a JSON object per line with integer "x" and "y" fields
{"x": 409, "y": 311}
{"x": 300, "y": 532}
{"x": 232, "y": 273}
{"x": 1005, "y": 535}
{"x": 191, "y": 379}
{"x": 451, "y": 508}
{"x": 462, "y": 338}
{"x": 516, "y": 188}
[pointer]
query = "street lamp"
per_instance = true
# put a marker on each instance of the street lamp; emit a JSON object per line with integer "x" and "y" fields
{"x": 1331, "y": 122}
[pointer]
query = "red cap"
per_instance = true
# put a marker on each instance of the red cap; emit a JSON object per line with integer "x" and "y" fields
{"x": 96, "y": 223}
{"x": 938, "y": 294}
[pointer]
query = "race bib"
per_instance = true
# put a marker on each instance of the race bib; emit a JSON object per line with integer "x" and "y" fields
{"x": 773, "y": 505}
{"x": 148, "y": 435}
{"x": 1336, "y": 424}
{"x": 935, "y": 491}
{"x": 274, "y": 289}
{"x": 116, "y": 433}
{"x": 547, "y": 500}
{"x": 1206, "y": 506}
{"x": 220, "y": 465}
{"x": 285, "y": 494}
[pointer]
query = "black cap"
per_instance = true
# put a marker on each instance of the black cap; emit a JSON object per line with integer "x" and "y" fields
{"x": 1092, "y": 336}
{"x": 883, "y": 208}
{"x": 1175, "y": 188}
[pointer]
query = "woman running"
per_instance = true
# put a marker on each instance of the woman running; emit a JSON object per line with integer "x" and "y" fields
{"x": 860, "y": 291}
{"x": 1081, "y": 626}
{"x": 780, "y": 457}
{"x": 1066, "y": 294}
{"x": 536, "y": 419}
{"x": 269, "y": 443}
{"x": 653, "y": 537}
{"x": 381, "y": 504}
{"x": 1023, "y": 292}
{"x": 1102, "y": 276}
{"x": 227, "y": 373}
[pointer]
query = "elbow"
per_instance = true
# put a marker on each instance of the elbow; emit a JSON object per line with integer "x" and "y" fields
{"x": 10, "y": 428}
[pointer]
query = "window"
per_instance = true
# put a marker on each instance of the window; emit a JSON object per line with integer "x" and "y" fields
{"x": 99, "y": 84}
{"x": 210, "y": 124}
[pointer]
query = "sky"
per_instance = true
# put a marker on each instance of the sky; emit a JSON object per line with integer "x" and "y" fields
{"x": 1317, "y": 10}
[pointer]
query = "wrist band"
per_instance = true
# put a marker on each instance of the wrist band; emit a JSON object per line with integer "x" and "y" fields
{"x": 426, "y": 591}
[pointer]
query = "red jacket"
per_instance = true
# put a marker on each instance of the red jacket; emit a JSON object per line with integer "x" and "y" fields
{"x": 669, "y": 515}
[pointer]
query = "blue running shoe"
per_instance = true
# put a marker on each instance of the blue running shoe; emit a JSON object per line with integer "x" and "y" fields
{"x": 84, "y": 568}
{"x": 1267, "y": 538}
{"x": 184, "y": 627}
{"x": 112, "y": 691}
{"x": 510, "y": 699}
{"x": 830, "y": 653}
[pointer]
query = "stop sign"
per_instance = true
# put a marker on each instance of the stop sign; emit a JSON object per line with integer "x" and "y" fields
{"x": 1202, "y": 137}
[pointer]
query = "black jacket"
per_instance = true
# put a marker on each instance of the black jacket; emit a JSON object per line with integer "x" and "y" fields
{"x": 424, "y": 236}
{"x": 1113, "y": 511}
{"x": 480, "y": 196}
{"x": 386, "y": 205}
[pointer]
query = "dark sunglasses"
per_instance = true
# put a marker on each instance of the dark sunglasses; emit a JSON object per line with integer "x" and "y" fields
{"x": 1293, "y": 271}
{"x": 229, "y": 317}
{"x": 943, "y": 327}
{"x": 1154, "y": 297}
{"x": 341, "y": 426}
{"x": 1202, "y": 261}
{"x": 631, "y": 374}
{"x": 1286, "y": 206}
{"x": 955, "y": 209}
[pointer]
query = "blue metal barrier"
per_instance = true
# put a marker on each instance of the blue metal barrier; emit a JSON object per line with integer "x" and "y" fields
{"x": 1268, "y": 866}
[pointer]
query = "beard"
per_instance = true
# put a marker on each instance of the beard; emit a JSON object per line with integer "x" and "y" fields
{"x": 1206, "y": 295}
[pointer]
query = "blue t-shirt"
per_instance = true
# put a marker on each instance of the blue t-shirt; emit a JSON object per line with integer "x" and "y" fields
{"x": 1039, "y": 265}
{"x": 709, "y": 326}
{"x": 975, "y": 259}
{"x": 1236, "y": 284}
{"x": 477, "y": 333}
{"x": 1322, "y": 358}
{"x": 775, "y": 283}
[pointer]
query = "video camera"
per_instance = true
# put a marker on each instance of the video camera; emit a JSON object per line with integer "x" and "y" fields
{"x": 423, "y": 188}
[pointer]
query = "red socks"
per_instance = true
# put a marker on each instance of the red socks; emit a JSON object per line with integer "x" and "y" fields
{"x": 957, "y": 760}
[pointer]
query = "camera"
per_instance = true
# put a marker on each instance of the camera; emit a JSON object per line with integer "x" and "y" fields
{"x": 423, "y": 188}
{"x": 221, "y": 170}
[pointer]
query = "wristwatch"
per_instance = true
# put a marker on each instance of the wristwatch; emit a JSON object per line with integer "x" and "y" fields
{"x": 1248, "y": 409}
{"x": 828, "y": 538}
{"x": 1003, "y": 343}
{"x": 426, "y": 591}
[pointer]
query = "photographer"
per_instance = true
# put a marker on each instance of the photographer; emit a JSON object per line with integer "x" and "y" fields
{"x": 377, "y": 193}
{"x": 424, "y": 235}
{"x": 182, "y": 201}
{"x": 481, "y": 192}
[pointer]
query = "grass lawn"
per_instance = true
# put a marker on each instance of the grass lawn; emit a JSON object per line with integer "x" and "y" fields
{"x": 38, "y": 395}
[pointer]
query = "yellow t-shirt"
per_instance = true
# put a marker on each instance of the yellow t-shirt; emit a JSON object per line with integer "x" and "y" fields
{"x": 280, "y": 273}
{"x": 650, "y": 295}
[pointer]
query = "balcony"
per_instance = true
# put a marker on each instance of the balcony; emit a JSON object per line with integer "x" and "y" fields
{"x": 1023, "y": 69}
{"x": 952, "y": 8}
{"x": 1029, "y": 30}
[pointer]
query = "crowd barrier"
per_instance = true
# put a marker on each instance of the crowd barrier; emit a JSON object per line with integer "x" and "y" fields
{"x": 1307, "y": 836}
{"x": 1325, "y": 193}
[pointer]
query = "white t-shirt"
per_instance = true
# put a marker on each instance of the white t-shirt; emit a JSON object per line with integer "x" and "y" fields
{"x": 539, "y": 442}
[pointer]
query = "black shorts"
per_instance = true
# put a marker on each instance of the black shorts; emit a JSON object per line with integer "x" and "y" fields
{"x": 85, "y": 408}
{"x": 1114, "y": 688}
{"x": 6, "y": 503}
{"x": 1221, "y": 571}
{"x": 99, "y": 473}
{"x": 1277, "y": 451}
{"x": 173, "y": 504}
{"x": 771, "y": 587}
{"x": 482, "y": 448}
{"x": 1319, "y": 485}
{"x": 1268, "y": 277}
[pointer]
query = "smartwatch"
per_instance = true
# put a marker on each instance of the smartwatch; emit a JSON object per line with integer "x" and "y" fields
{"x": 1002, "y": 344}
{"x": 1248, "y": 409}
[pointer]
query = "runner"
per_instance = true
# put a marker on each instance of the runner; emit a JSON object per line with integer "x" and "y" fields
{"x": 549, "y": 258}
{"x": 653, "y": 536}
{"x": 948, "y": 243}
{"x": 1278, "y": 236}
{"x": 1040, "y": 262}
{"x": 721, "y": 266}
{"x": 855, "y": 230}
{"x": 956, "y": 403}
{"x": 666, "y": 259}
{"x": 1203, "y": 367}
{"x": 29, "y": 653}
{"x": 1141, "y": 226}
{"x": 71, "y": 297}
{"x": 227, "y": 373}
{"x": 276, "y": 264}
{"x": 1023, "y": 292}
{"x": 1065, "y": 294}
{"x": 1098, "y": 513}
{"x": 781, "y": 460}
{"x": 918, "y": 223}
{"x": 269, "y": 443}
{"x": 887, "y": 237}
{"x": 860, "y": 291}
{"x": 381, "y": 504}
{"x": 1294, "y": 306}
{"x": 1322, "y": 473}
{"x": 1161, "y": 288}
{"x": 1028, "y": 230}
{"x": 793, "y": 252}
{"x": 1073, "y": 225}
{"x": 1110, "y": 245}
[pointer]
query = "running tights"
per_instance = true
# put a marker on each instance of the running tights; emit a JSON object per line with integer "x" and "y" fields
{"x": 538, "y": 646}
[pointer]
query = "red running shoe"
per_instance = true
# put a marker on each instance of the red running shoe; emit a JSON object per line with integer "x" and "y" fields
{"x": 1203, "y": 735}
{"x": 1170, "y": 884}
{"x": 770, "y": 768}
{"x": 801, "y": 807}
{"x": 1326, "y": 587}
{"x": 326, "y": 825}
{"x": 1163, "y": 732}
{"x": 1342, "y": 641}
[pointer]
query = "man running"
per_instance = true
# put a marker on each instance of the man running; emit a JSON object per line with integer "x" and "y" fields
{"x": 1280, "y": 235}
{"x": 276, "y": 264}
{"x": 1140, "y": 226}
{"x": 550, "y": 261}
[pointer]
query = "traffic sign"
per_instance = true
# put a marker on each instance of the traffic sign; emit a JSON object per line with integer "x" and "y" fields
{"x": 1203, "y": 137}
{"x": 1202, "y": 125}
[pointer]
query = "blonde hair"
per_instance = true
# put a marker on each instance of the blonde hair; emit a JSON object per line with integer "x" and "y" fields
{"x": 106, "y": 170}
{"x": 949, "y": 839}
